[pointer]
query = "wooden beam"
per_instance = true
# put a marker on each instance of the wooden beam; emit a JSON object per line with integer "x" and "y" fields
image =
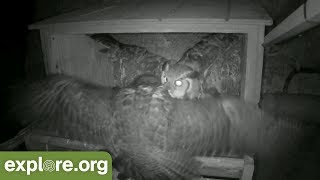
{"x": 251, "y": 67}
{"x": 76, "y": 55}
{"x": 313, "y": 10}
{"x": 221, "y": 167}
{"x": 128, "y": 13}
{"x": 46, "y": 44}
{"x": 38, "y": 141}
{"x": 302, "y": 19}
{"x": 248, "y": 168}
{"x": 200, "y": 26}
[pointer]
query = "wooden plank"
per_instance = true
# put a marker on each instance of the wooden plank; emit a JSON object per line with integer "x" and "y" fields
{"x": 78, "y": 55}
{"x": 313, "y": 10}
{"x": 241, "y": 9}
{"x": 201, "y": 26}
{"x": 221, "y": 167}
{"x": 295, "y": 23}
{"x": 42, "y": 142}
{"x": 138, "y": 25}
{"x": 67, "y": 16}
{"x": 45, "y": 37}
{"x": 169, "y": 11}
{"x": 252, "y": 66}
{"x": 248, "y": 168}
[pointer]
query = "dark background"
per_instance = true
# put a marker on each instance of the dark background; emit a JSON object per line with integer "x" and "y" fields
{"x": 15, "y": 19}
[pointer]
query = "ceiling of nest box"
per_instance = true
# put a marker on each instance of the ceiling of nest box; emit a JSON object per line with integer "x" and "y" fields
{"x": 134, "y": 16}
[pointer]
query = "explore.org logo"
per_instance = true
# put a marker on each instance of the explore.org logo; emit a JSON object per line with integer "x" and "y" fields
{"x": 58, "y": 165}
{"x": 101, "y": 166}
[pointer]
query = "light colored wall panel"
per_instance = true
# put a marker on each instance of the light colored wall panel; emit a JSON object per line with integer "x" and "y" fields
{"x": 252, "y": 66}
{"x": 76, "y": 55}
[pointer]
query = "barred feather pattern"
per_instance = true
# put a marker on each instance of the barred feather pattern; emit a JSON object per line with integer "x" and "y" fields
{"x": 67, "y": 107}
{"x": 141, "y": 123}
{"x": 161, "y": 135}
{"x": 153, "y": 136}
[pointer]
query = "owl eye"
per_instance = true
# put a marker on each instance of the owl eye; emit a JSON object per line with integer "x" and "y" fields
{"x": 178, "y": 83}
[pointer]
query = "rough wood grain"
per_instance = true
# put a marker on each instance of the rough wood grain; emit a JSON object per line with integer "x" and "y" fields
{"x": 128, "y": 13}
{"x": 76, "y": 55}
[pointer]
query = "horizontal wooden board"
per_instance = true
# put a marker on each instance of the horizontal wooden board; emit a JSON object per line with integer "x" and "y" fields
{"x": 221, "y": 167}
{"x": 128, "y": 13}
{"x": 313, "y": 10}
{"x": 210, "y": 166}
{"x": 305, "y": 17}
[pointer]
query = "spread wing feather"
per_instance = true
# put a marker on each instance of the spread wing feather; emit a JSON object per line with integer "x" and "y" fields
{"x": 161, "y": 135}
{"x": 151, "y": 135}
{"x": 67, "y": 107}
{"x": 140, "y": 124}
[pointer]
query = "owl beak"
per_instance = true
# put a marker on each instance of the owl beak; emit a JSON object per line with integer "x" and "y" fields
{"x": 166, "y": 86}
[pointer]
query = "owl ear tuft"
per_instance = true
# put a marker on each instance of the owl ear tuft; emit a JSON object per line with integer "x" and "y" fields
{"x": 165, "y": 66}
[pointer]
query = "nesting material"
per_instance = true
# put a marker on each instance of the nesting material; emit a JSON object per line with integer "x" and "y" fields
{"x": 219, "y": 57}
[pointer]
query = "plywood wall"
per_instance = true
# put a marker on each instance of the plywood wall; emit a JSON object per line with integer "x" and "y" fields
{"x": 77, "y": 55}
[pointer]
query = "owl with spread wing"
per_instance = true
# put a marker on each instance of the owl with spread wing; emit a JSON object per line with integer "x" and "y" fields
{"x": 156, "y": 131}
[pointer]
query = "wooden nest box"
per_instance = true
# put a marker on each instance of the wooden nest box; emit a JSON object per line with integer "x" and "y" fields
{"x": 68, "y": 50}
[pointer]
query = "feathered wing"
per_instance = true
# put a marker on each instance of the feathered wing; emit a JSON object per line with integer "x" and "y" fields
{"x": 278, "y": 143}
{"x": 153, "y": 136}
{"x": 173, "y": 131}
{"x": 162, "y": 139}
{"x": 140, "y": 126}
{"x": 66, "y": 107}
{"x": 141, "y": 117}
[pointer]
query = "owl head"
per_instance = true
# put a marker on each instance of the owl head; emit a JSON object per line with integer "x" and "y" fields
{"x": 181, "y": 81}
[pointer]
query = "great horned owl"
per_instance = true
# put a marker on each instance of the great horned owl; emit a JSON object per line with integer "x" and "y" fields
{"x": 153, "y": 136}
{"x": 182, "y": 81}
{"x": 185, "y": 81}
{"x": 140, "y": 126}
